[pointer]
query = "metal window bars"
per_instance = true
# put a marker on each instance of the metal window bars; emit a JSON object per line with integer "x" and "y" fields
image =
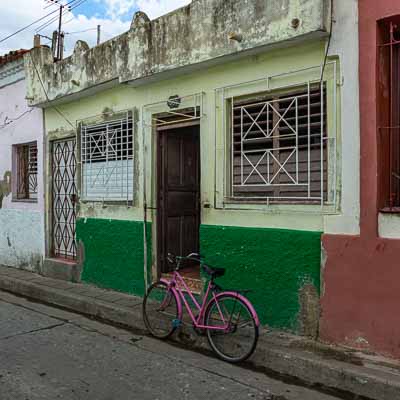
{"x": 284, "y": 188}
{"x": 27, "y": 170}
{"x": 389, "y": 116}
{"x": 107, "y": 160}
{"x": 279, "y": 147}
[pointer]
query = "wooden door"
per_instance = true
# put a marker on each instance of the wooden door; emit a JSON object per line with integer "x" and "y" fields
{"x": 178, "y": 193}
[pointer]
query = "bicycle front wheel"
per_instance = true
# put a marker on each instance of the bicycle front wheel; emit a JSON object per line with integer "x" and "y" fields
{"x": 160, "y": 310}
{"x": 237, "y": 336}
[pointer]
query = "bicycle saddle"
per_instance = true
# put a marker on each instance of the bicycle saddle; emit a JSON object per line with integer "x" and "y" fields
{"x": 213, "y": 271}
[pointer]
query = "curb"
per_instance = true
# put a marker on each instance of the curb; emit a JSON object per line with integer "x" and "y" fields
{"x": 294, "y": 365}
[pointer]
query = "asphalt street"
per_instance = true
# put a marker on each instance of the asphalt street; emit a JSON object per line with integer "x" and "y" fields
{"x": 47, "y": 354}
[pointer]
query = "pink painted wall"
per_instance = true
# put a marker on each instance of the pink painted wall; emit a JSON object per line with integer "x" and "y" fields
{"x": 361, "y": 293}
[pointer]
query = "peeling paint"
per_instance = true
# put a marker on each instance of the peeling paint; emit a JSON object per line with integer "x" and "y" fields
{"x": 309, "y": 310}
{"x": 197, "y": 33}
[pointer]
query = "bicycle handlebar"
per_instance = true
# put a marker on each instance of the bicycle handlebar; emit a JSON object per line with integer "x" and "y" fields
{"x": 172, "y": 259}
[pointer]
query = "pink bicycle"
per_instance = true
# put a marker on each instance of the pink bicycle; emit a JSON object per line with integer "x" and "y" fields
{"x": 227, "y": 317}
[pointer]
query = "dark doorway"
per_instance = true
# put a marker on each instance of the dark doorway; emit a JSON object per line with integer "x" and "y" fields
{"x": 178, "y": 194}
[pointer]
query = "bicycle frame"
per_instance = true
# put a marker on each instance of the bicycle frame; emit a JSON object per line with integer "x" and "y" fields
{"x": 178, "y": 284}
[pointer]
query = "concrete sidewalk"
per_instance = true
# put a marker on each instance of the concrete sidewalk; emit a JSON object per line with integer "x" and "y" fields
{"x": 289, "y": 357}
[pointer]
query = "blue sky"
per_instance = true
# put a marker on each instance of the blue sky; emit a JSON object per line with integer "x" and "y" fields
{"x": 93, "y": 8}
{"x": 100, "y": 9}
{"x": 114, "y": 17}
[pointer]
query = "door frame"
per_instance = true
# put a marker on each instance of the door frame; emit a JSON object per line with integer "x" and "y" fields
{"x": 159, "y": 131}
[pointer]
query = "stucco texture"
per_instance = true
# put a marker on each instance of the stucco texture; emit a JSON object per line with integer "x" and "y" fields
{"x": 113, "y": 253}
{"x": 21, "y": 239}
{"x": 274, "y": 263}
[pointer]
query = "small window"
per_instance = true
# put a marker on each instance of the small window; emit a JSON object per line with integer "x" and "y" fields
{"x": 279, "y": 147}
{"x": 388, "y": 106}
{"x": 26, "y": 171}
{"x": 107, "y": 161}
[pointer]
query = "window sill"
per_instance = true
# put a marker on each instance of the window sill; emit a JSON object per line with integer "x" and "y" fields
{"x": 390, "y": 210}
{"x": 312, "y": 208}
{"x": 24, "y": 200}
{"x": 106, "y": 203}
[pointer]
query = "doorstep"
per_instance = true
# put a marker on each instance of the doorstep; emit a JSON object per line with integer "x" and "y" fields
{"x": 61, "y": 269}
{"x": 290, "y": 357}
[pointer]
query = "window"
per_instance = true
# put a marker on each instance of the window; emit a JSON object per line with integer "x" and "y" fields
{"x": 107, "y": 160}
{"x": 26, "y": 170}
{"x": 388, "y": 106}
{"x": 279, "y": 147}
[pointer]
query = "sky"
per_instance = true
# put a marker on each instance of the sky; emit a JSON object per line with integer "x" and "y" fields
{"x": 114, "y": 16}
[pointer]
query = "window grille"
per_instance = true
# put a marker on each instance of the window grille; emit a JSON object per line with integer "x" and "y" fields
{"x": 26, "y": 171}
{"x": 389, "y": 113}
{"x": 279, "y": 147}
{"x": 107, "y": 152}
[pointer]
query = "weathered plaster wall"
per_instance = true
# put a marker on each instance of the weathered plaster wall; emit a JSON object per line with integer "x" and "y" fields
{"x": 187, "y": 37}
{"x": 21, "y": 238}
{"x": 21, "y": 223}
{"x": 125, "y": 97}
{"x": 361, "y": 274}
{"x": 275, "y": 263}
{"x": 299, "y": 287}
{"x": 344, "y": 44}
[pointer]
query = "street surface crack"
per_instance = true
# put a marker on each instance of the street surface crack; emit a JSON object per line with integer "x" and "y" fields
{"x": 46, "y": 328}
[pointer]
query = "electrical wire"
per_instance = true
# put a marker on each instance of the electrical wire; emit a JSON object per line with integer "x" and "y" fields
{"x": 67, "y": 8}
{"x": 31, "y": 24}
{"x": 327, "y": 47}
{"x": 81, "y": 2}
{"x": 86, "y": 30}
{"x": 47, "y": 97}
{"x": 9, "y": 121}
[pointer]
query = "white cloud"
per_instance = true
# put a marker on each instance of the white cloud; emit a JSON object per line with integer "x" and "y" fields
{"x": 153, "y": 8}
{"x": 18, "y": 13}
{"x": 156, "y": 8}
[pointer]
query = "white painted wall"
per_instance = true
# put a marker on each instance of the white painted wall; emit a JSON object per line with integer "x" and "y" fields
{"x": 344, "y": 44}
{"x": 21, "y": 223}
{"x": 389, "y": 226}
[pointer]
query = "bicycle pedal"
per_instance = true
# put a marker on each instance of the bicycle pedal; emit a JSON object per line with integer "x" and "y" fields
{"x": 176, "y": 323}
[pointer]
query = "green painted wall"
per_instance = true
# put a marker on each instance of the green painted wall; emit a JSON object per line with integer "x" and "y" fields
{"x": 114, "y": 253}
{"x": 275, "y": 263}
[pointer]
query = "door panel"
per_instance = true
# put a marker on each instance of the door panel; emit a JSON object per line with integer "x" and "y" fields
{"x": 178, "y": 193}
{"x": 64, "y": 198}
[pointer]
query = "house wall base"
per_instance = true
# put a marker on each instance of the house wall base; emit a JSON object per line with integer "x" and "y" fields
{"x": 113, "y": 253}
{"x": 361, "y": 293}
{"x": 21, "y": 239}
{"x": 281, "y": 267}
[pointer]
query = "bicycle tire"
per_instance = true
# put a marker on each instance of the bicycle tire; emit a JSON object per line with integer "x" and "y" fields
{"x": 237, "y": 342}
{"x": 164, "y": 323}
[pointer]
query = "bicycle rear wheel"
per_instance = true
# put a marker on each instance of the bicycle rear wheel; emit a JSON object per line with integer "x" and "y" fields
{"x": 238, "y": 341}
{"x": 160, "y": 310}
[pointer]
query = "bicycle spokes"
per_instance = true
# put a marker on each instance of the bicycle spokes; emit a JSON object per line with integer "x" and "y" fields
{"x": 233, "y": 333}
{"x": 160, "y": 310}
